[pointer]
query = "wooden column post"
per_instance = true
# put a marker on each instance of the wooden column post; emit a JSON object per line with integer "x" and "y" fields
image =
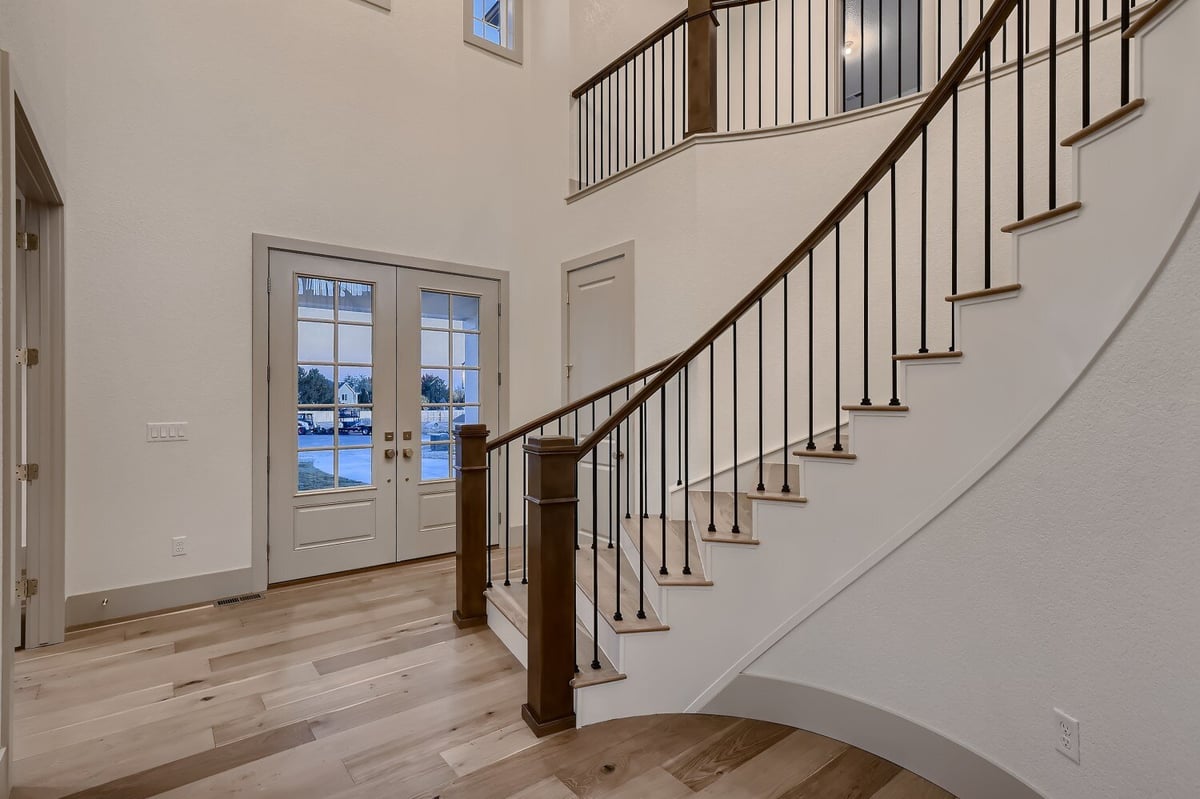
{"x": 702, "y": 68}
{"x": 551, "y": 510}
{"x": 470, "y": 551}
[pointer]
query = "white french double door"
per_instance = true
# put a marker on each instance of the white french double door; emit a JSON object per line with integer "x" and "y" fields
{"x": 372, "y": 367}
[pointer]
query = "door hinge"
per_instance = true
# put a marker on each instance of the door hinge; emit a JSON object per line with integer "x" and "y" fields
{"x": 268, "y": 464}
{"x": 27, "y": 357}
{"x": 499, "y": 309}
{"x": 26, "y": 586}
{"x": 268, "y": 284}
{"x": 27, "y": 242}
{"x": 499, "y": 378}
{"x": 268, "y": 373}
{"x": 27, "y": 472}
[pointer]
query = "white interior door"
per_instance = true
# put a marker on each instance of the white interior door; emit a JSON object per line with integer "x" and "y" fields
{"x": 449, "y": 359}
{"x": 332, "y": 476}
{"x": 599, "y": 348}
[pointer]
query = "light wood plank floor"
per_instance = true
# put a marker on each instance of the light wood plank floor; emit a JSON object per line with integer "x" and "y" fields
{"x": 359, "y": 687}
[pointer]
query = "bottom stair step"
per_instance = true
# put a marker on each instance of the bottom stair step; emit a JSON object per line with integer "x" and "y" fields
{"x": 513, "y": 602}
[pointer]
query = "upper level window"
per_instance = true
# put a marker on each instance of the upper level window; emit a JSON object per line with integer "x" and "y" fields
{"x": 494, "y": 25}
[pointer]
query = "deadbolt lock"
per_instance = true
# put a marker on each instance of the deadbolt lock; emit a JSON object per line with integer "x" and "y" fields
{"x": 408, "y": 435}
{"x": 389, "y": 436}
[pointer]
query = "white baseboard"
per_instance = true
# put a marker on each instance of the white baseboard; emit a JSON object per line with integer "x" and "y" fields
{"x": 135, "y": 600}
{"x": 946, "y": 763}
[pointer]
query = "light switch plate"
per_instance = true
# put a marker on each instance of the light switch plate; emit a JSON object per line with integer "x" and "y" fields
{"x": 161, "y": 432}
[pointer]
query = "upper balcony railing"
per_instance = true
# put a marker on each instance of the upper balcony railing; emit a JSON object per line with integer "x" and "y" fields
{"x": 727, "y": 66}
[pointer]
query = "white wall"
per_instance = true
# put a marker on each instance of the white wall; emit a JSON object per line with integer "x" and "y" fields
{"x": 178, "y": 129}
{"x": 1065, "y": 578}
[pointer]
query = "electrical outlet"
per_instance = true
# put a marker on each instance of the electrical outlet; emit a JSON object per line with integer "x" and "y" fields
{"x": 1066, "y": 734}
{"x": 178, "y": 546}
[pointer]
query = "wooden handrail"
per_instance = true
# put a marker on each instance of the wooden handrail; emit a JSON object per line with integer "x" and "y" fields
{"x": 959, "y": 69}
{"x": 558, "y": 413}
{"x": 658, "y": 33}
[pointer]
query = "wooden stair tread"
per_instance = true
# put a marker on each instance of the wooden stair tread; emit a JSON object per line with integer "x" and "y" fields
{"x": 1011, "y": 288}
{"x": 1103, "y": 122}
{"x": 675, "y": 537}
{"x": 727, "y": 538}
{"x": 1030, "y": 221}
{"x": 513, "y": 603}
{"x": 927, "y": 356}
{"x": 877, "y": 408}
{"x": 825, "y": 453}
{"x": 606, "y": 568}
{"x": 721, "y": 513}
{"x": 776, "y": 496}
{"x": 1149, "y": 14}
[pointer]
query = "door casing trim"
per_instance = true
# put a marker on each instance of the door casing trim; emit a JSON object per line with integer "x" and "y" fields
{"x": 262, "y": 245}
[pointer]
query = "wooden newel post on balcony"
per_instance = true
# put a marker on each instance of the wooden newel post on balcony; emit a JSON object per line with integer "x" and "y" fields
{"x": 551, "y": 535}
{"x": 471, "y": 552}
{"x": 701, "y": 68}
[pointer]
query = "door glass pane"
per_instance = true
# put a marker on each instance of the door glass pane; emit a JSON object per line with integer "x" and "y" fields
{"x": 435, "y": 461}
{"x": 466, "y": 349}
{"x": 467, "y": 414}
{"x": 435, "y": 348}
{"x": 435, "y": 423}
{"x": 354, "y": 467}
{"x": 435, "y": 309}
{"x": 466, "y": 313}
{"x": 314, "y": 470}
{"x": 354, "y": 344}
{"x": 355, "y": 302}
{"x": 314, "y": 298}
{"x": 314, "y": 385}
{"x": 466, "y": 386}
{"x": 314, "y": 341}
{"x": 334, "y": 389}
{"x": 355, "y": 385}
{"x": 435, "y": 385}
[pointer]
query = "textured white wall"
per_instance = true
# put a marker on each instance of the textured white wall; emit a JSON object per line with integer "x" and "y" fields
{"x": 1065, "y": 578}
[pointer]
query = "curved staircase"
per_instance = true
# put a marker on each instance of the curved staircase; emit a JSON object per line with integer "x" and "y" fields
{"x": 759, "y": 562}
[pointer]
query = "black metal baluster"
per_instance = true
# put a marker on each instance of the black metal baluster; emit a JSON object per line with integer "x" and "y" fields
{"x": 837, "y": 337}
{"x": 489, "y": 520}
{"x": 1020, "y": 109}
{"x": 758, "y": 60}
{"x": 987, "y": 166}
{"x": 809, "y": 81}
{"x": 653, "y": 111}
{"x": 939, "y": 42}
{"x": 575, "y": 435}
{"x": 792, "y": 52}
{"x": 662, "y": 515}
{"x": 743, "y": 67}
{"x": 643, "y": 435}
{"x": 595, "y": 560}
{"x": 580, "y": 110}
{"x": 879, "y": 54}
{"x": 687, "y": 527}
{"x": 735, "y": 529}
{"x": 601, "y": 173}
{"x": 953, "y": 216}
{"x": 712, "y": 440}
{"x": 812, "y": 444}
{"x": 612, "y": 455}
{"x": 594, "y": 169}
{"x": 617, "y": 512}
{"x": 1124, "y": 52}
{"x": 862, "y": 54}
{"x": 895, "y": 400}
{"x": 507, "y": 524}
{"x": 924, "y": 237}
{"x": 674, "y": 97}
{"x": 643, "y": 57}
{"x": 627, "y": 125}
{"x": 679, "y": 435}
{"x": 641, "y": 613}
{"x": 728, "y": 71}
{"x": 1052, "y": 111}
{"x": 786, "y": 489}
{"x": 775, "y": 30}
{"x": 761, "y": 415}
{"x": 866, "y": 400}
{"x": 663, "y": 98}
{"x": 1087, "y": 63}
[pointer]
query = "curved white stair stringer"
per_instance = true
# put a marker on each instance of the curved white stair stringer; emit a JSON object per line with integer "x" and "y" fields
{"x": 1081, "y": 276}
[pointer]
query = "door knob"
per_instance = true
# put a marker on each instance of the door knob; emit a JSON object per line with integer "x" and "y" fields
{"x": 389, "y": 453}
{"x": 407, "y": 453}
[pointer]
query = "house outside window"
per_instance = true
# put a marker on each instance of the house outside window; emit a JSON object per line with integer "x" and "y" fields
{"x": 495, "y": 26}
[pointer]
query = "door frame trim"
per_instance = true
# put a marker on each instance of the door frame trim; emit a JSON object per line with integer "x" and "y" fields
{"x": 262, "y": 245}
{"x": 622, "y": 250}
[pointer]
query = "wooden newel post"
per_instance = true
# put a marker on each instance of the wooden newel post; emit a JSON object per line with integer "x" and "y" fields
{"x": 551, "y": 535}
{"x": 701, "y": 68}
{"x": 471, "y": 552}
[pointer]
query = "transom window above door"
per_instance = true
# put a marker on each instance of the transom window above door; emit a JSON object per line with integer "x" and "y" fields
{"x": 334, "y": 383}
{"x": 450, "y": 370}
{"x": 494, "y": 25}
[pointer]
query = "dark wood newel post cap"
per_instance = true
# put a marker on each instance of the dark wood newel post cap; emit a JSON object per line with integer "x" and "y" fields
{"x": 472, "y": 431}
